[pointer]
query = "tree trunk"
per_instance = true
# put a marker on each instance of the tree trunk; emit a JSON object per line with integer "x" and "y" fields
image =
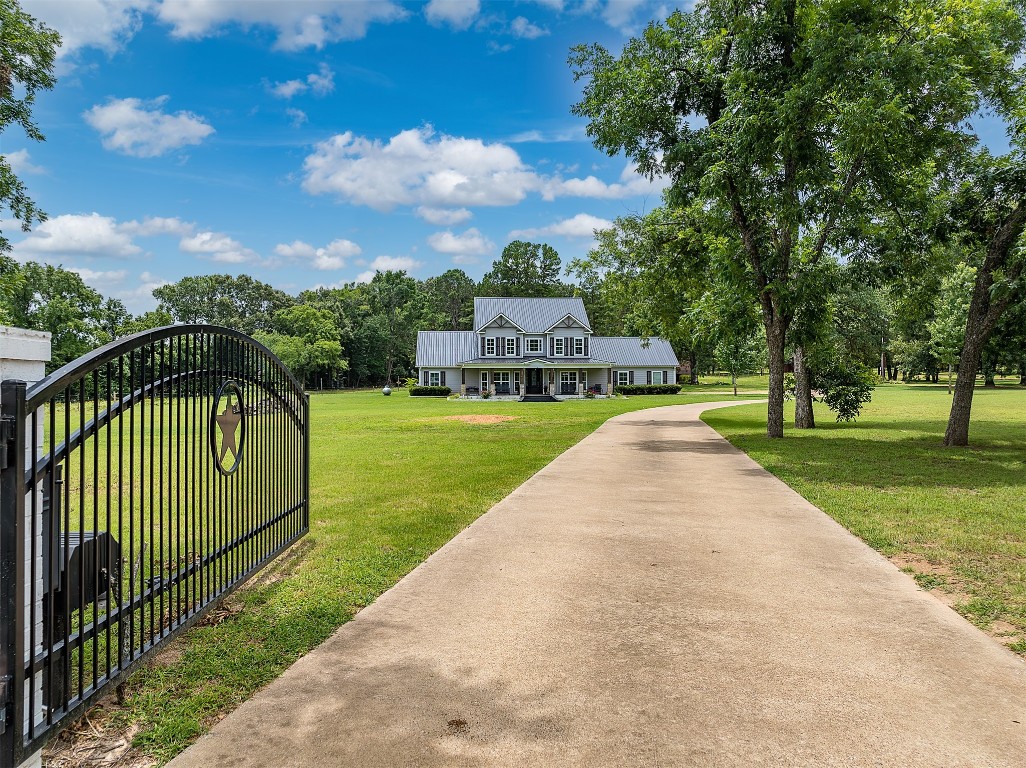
{"x": 803, "y": 415}
{"x": 987, "y": 363}
{"x": 775, "y": 331}
{"x": 733, "y": 380}
{"x": 693, "y": 360}
{"x": 957, "y": 432}
{"x": 950, "y": 366}
{"x": 1022, "y": 373}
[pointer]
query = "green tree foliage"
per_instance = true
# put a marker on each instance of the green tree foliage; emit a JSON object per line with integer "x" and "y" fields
{"x": 306, "y": 340}
{"x": 947, "y": 329}
{"x": 740, "y": 355}
{"x": 27, "y": 50}
{"x": 242, "y": 302}
{"x": 525, "y": 269}
{"x": 785, "y": 125}
{"x": 392, "y": 299}
{"x": 449, "y": 300}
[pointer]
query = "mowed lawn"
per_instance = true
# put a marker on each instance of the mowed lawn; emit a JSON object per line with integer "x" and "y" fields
{"x": 954, "y": 518}
{"x": 392, "y": 480}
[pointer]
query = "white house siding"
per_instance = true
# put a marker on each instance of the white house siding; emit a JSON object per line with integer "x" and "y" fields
{"x": 452, "y": 377}
{"x": 641, "y": 374}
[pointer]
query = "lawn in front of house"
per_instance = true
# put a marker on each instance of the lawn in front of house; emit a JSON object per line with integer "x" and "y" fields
{"x": 953, "y": 518}
{"x": 392, "y": 480}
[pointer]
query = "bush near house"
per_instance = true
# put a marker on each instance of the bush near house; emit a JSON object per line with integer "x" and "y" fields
{"x": 648, "y": 389}
{"x": 430, "y": 391}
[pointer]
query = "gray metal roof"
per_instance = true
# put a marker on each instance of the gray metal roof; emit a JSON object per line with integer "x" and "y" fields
{"x": 533, "y": 315}
{"x": 632, "y": 351}
{"x": 445, "y": 349}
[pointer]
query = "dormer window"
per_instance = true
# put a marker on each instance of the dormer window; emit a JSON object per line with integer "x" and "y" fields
{"x": 560, "y": 350}
{"x": 490, "y": 347}
{"x": 511, "y": 347}
{"x": 579, "y": 345}
{"x": 534, "y": 345}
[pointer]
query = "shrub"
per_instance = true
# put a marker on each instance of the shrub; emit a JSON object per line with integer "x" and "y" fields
{"x": 589, "y": 394}
{"x": 430, "y": 391}
{"x": 845, "y": 388}
{"x": 648, "y": 389}
{"x": 410, "y": 383}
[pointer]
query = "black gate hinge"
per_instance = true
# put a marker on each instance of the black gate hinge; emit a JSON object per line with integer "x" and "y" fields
{"x": 7, "y": 433}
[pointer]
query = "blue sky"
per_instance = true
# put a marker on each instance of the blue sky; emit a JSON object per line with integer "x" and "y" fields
{"x": 309, "y": 142}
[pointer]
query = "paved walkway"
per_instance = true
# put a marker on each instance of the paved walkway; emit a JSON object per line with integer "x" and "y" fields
{"x": 650, "y": 598}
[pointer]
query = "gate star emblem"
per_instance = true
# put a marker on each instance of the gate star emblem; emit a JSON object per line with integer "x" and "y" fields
{"x": 228, "y": 423}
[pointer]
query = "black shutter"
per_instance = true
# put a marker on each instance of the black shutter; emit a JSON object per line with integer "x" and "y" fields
{"x": 630, "y": 377}
{"x": 443, "y": 379}
{"x": 552, "y": 346}
{"x": 518, "y": 346}
{"x": 586, "y": 352}
{"x": 566, "y": 346}
{"x": 482, "y": 346}
{"x": 500, "y": 347}
{"x": 463, "y": 375}
{"x": 666, "y": 377}
{"x": 648, "y": 377}
{"x": 425, "y": 374}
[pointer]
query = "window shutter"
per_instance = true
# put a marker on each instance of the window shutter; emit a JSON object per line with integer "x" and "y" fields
{"x": 666, "y": 377}
{"x": 630, "y": 377}
{"x": 463, "y": 375}
{"x": 552, "y": 346}
{"x": 648, "y": 377}
{"x": 587, "y": 353}
{"x": 443, "y": 378}
{"x": 482, "y": 346}
{"x": 425, "y": 374}
{"x": 567, "y": 348}
{"x": 518, "y": 346}
{"x": 500, "y": 346}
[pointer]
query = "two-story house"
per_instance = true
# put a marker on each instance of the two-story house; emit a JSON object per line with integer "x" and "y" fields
{"x": 538, "y": 347}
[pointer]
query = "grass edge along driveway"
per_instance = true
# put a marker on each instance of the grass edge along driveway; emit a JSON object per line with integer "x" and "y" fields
{"x": 953, "y": 518}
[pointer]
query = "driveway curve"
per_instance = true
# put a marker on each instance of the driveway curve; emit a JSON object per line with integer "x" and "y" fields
{"x": 652, "y": 597}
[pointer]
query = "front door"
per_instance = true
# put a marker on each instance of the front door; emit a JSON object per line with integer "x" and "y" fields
{"x": 534, "y": 381}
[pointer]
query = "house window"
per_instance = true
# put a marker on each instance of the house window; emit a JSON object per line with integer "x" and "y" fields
{"x": 568, "y": 382}
{"x": 657, "y": 377}
{"x": 511, "y": 346}
{"x": 534, "y": 345}
{"x": 435, "y": 378}
{"x": 623, "y": 378}
{"x": 490, "y": 347}
{"x": 560, "y": 347}
{"x": 579, "y": 345}
{"x": 516, "y": 382}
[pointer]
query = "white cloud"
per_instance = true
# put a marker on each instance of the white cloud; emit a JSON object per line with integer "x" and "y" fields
{"x": 139, "y": 128}
{"x": 420, "y": 168}
{"x": 78, "y": 235}
{"x": 157, "y": 225}
{"x": 621, "y": 14}
{"x": 521, "y": 27}
{"x": 297, "y": 117}
{"x": 386, "y": 263}
{"x": 444, "y": 217}
{"x": 581, "y": 225}
{"x": 92, "y": 277}
{"x": 458, "y": 14}
{"x": 331, "y": 256}
{"x": 298, "y": 23}
{"x": 471, "y": 243}
{"x": 218, "y": 246}
{"x": 319, "y": 83}
{"x": 104, "y": 24}
{"x": 21, "y": 163}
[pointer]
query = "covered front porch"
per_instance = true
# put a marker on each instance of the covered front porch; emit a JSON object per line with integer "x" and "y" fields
{"x": 512, "y": 382}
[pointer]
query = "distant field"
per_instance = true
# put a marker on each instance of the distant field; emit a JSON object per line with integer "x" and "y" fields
{"x": 954, "y": 518}
{"x": 392, "y": 480}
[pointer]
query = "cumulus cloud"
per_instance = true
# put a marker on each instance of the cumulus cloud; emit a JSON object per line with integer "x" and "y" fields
{"x": 437, "y": 172}
{"x": 622, "y": 14}
{"x": 104, "y": 24}
{"x": 521, "y": 27}
{"x": 157, "y": 225}
{"x": 21, "y": 163}
{"x": 386, "y": 263}
{"x": 466, "y": 246}
{"x": 142, "y": 129}
{"x": 219, "y": 247}
{"x": 444, "y": 217}
{"x": 581, "y": 225}
{"x": 458, "y": 14}
{"x": 331, "y": 256}
{"x": 319, "y": 83}
{"x": 78, "y": 235}
{"x": 418, "y": 167}
{"x": 298, "y": 23}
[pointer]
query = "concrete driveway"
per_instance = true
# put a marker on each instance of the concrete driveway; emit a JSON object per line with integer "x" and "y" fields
{"x": 650, "y": 598}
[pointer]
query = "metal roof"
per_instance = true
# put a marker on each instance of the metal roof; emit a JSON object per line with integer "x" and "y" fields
{"x": 533, "y": 315}
{"x": 633, "y": 351}
{"x": 445, "y": 349}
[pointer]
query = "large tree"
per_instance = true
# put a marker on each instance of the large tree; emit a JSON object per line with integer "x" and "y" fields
{"x": 450, "y": 300}
{"x": 27, "y": 49}
{"x": 525, "y": 269}
{"x": 242, "y": 302}
{"x": 785, "y": 122}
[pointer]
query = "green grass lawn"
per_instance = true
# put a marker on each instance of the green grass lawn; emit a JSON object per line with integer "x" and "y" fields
{"x": 392, "y": 479}
{"x": 954, "y": 518}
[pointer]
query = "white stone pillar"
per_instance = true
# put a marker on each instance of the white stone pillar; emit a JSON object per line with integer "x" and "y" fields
{"x": 23, "y": 356}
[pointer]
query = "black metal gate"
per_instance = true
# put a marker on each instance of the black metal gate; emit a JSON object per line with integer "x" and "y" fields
{"x": 166, "y": 468}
